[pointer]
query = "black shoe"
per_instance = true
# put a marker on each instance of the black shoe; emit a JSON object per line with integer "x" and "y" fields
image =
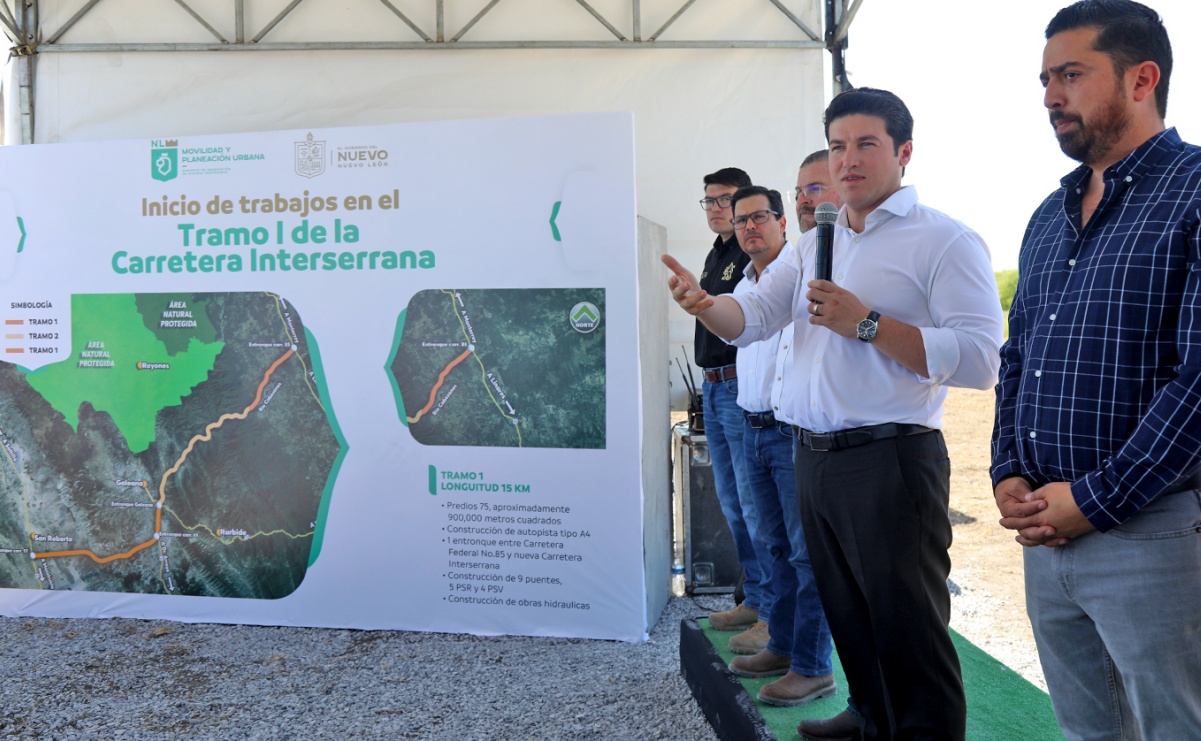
{"x": 842, "y": 727}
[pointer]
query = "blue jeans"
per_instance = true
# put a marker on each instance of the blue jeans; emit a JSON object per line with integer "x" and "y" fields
{"x": 724, "y": 425}
{"x": 1117, "y": 620}
{"x": 797, "y": 622}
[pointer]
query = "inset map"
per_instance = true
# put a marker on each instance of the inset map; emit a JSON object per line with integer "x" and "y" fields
{"x": 502, "y": 367}
{"x": 187, "y": 447}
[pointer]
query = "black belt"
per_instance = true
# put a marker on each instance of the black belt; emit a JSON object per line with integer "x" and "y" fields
{"x": 853, "y": 438}
{"x": 718, "y": 375}
{"x": 760, "y": 420}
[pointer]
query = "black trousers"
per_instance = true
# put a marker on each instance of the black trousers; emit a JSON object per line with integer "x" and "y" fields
{"x": 877, "y": 524}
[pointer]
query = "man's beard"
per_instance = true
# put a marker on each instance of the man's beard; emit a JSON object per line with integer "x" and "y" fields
{"x": 1091, "y": 141}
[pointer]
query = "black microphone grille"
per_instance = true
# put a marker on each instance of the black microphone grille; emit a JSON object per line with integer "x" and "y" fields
{"x": 825, "y": 213}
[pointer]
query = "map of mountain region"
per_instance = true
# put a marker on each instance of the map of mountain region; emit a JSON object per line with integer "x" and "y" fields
{"x": 186, "y": 447}
{"x": 502, "y": 367}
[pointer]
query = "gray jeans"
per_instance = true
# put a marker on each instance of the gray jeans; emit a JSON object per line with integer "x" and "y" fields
{"x": 1117, "y": 619}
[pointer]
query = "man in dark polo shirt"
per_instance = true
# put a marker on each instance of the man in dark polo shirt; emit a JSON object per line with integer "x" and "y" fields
{"x": 724, "y": 421}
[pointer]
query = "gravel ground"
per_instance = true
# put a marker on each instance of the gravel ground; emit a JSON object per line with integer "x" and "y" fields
{"x": 980, "y": 616}
{"x": 137, "y": 679}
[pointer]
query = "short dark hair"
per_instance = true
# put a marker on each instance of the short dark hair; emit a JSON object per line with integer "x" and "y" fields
{"x": 774, "y": 200}
{"x": 1129, "y": 33}
{"x": 898, "y": 121}
{"x": 730, "y": 176}
{"x": 818, "y": 156}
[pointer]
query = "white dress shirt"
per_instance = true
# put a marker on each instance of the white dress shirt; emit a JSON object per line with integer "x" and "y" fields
{"x": 761, "y": 365}
{"x": 910, "y": 263}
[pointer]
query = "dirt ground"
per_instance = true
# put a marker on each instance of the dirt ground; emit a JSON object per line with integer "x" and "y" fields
{"x": 988, "y": 605}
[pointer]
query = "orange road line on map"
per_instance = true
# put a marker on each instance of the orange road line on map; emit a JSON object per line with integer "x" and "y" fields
{"x": 94, "y": 557}
{"x": 162, "y": 487}
{"x": 208, "y": 431}
{"x": 434, "y": 391}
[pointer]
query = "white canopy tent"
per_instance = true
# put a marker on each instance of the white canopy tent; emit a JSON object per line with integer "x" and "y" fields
{"x": 710, "y": 84}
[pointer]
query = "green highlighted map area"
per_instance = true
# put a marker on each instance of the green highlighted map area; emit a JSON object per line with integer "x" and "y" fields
{"x": 186, "y": 447}
{"x": 139, "y": 375}
{"x": 502, "y": 367}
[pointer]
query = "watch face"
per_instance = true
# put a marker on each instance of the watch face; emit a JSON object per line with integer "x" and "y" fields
{"x": 867, "y": 330}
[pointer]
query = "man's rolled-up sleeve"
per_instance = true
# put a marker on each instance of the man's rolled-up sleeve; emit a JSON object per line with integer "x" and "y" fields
{"x": 963, "y": 346}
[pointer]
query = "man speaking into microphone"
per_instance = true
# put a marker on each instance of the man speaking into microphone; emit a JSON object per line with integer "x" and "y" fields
{"x": 912, "y": 308}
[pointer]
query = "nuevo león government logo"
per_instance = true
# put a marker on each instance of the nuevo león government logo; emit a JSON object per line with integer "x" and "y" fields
{"x": 310, "y": 157}
{"x": 164, "y": 159}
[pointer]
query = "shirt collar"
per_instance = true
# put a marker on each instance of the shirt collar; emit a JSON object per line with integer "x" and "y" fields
{"x": 724, "y": 245}
{"x": 749, "y": 270}
{"x": 899, "y": 203}
{"x": 1134, "y": 165}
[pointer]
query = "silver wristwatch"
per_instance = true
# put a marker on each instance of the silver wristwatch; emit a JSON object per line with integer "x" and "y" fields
{"x": 867, "y": 328}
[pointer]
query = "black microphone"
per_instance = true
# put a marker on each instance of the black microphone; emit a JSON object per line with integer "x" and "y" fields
{"x": 825, "y": 214}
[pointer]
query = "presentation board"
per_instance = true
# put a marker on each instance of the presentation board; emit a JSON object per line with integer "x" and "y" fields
{"x": 369, "y": 377}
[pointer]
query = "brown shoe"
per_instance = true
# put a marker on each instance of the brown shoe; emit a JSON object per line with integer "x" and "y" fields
{"x": 762, "y": 664}
{"x": 842, "y": 727}
{"x": 750, "y": 641}
{"x": 740, "y": 618}
{"x": 796, "y": 689}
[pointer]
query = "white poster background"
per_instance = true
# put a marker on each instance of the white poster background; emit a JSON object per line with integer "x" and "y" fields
{"x": 479, "y": 196}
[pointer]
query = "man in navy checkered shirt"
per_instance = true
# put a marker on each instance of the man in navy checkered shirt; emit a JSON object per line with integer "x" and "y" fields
{"x": 1098, "y": 430}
